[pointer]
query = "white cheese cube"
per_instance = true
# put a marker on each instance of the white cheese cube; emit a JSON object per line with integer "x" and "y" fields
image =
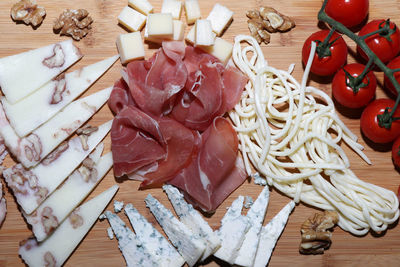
{"x": 192, "y": 10}
{"x": 143, "y": 6}
{"x": 131, "y": 19}
{"x": 160, "y": 25}
{"x": 203, "y": 33}
{"x": 130, "y": 47}
{"x": 220, "y": 16}
{"x": 173, "y": 7}
{"x": 190, "y": 37}
{"x": 179, "y": 30}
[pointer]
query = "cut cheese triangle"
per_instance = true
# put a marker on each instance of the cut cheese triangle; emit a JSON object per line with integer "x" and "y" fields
{"x": 34, "y": 110}
{"x": 24, "y": 73}
{"x": 32, "y": 187}
{"x": 55, "y": 250}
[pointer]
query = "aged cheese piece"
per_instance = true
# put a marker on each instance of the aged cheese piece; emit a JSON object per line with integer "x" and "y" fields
{"x": 256, "y": 214}
{"x": 24, "y": 73}
{"x": 179, "y": 32}
{"x": 270, "y": 235}
{"x": 132, "y": 249}
{"x": 131, "y": 19}
{"x": 130, "y": 47}
{"x": 31, "y": 149}
{"x": 155, "y": 243}
{"x": 32, "y": 187}
{"x": 189, "y": 246}
{"x": 160, "y": 25}
{"x": 173, "y": 7}
{"x": 193, "y": 220}
{"x": 221, "y": 49}
{"x": 220, "y": 16}
{"x": 57, "y": 247}
{"x": 191, "y": 36}
{"x": 35, "y": 109}
{"x": 203, "y": 33}
{"x": 143, "y": 6}
{"x": 192, "y": 10}
{"x": 66, "y": 198}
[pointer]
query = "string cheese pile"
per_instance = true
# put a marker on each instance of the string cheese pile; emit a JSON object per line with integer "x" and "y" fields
{"x": 291, "y": 135}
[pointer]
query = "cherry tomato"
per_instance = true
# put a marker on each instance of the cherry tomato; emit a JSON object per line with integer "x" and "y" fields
{"x": 394, "y": 64}
{"x": 326, "y": 65}
{"x": 396, "y": 152}
{"x": 370, "y": 125}
{"x": 345, "y": 95}
{"x": 348, "y": 12}
{"x": 383, "y": 48}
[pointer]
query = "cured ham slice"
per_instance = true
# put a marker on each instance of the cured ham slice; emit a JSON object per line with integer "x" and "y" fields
{"x": 234, "y": 82}
{"x": 3, "y": 207}
{"x": 120, "y": 97}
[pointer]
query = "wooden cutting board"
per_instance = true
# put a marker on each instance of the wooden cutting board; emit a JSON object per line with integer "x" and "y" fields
{"x": 96, "y": 249}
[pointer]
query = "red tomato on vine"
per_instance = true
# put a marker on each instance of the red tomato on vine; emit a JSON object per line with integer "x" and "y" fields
{"x": 348, "y": 12}
{"x": 394, "y": 64}
{"x": 396, "y": 153}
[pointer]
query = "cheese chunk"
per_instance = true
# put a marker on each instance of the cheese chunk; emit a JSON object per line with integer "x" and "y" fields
{"x": 179, "y": 32}
{"x": 203, "y": 33}
{"x": 143, "y": 6}
{"x": 130, "y": 47}
{"x": 160, "y": 25}
{"x": 220, "y": 16}
{"x": 131, "y": 19}
{"x": 191, "y": 37}
{"x": 173, "y": 7}
{"x": 192, "y": 10}
{"x": 221, "y": 49}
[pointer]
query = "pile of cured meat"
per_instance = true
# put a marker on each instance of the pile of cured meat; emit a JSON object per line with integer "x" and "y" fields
{"x": 169, "y": 126}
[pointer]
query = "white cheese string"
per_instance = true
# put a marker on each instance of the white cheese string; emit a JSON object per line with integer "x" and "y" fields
{"x": 290, "y": 133}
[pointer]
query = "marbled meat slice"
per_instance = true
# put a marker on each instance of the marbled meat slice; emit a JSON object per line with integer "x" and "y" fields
{"x": 3, "y": 207}
{"x": 120, "y": 97}
{"x": 234, "y": 82}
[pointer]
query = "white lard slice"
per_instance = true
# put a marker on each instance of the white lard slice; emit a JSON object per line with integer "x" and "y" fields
{"x": 24, "y": 73}
{"x": 270, "y": 235}
{"x": 256, "y": 214}
{"x": 32, "y": 187}
{"x": 188, "y": 245}
{"x": 161, "y": 250}
{"x": 55, "y": 250}
{"x": 66, "y": 198}
{"x": 32, "y": 149}
{"x": 193, "y": 220}
{"x": 34, "y": 110}
{"x": 132, "y": 249}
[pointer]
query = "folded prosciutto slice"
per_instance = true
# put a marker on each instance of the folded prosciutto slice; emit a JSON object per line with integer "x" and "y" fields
{"x": 120, "y": 97}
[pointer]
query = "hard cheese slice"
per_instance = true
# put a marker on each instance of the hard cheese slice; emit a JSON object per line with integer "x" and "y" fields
{"x": 256, "y": 215}
{"x": 134, "y": 252}
{"x": 32, "y": 187}
{"x": 34, "y": 110}
{"x": 189, "y": 246}
{"x": 32, "y": 149}
{"x": 24, "y": 73}
{"x": 65, "y": 199}
{"x": 57, "y": 248}
{"x": 270, "y": 235}
{"x": 155, "y": 243}
{"x": 193, "y": 220}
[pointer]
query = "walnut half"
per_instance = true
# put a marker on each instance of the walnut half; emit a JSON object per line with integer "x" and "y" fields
{"x": 73, "y": 22}
{"x": 28, "y": 12}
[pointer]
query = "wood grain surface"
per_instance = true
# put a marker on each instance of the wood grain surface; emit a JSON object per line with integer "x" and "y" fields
{"x": 96, "y": 249}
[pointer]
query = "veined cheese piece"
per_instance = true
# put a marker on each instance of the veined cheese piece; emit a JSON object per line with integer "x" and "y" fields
{"x": 65, "y": 199}
{"x": 131, "y": 19}
{"x": 24, "y": 73}
{"x": 160, "y": 25}
{"x": 220, "y": 16}
{"x": 32, "y": 187}
{"x": 31, "y": 149}
{"x": 57, "y": 247}
{"x": 221, "y": 49}
{"x": 270, "y": 235}
{"x": 179, "y": 32}
{"x": 256, "y": 214}
{"x": 143, "y": 6}
{"x": 35, "y": 109}
{"x": 193, "y": 220}
{"x": 203, "y": 33}
{"x": 130, "y": 47}
{"x": 173, "y": 7}
{"x": 189, "y": 246}
{"x": 155, "y": 243}
{"x": 192, "y": 10}
{"x": 118, "y": 206}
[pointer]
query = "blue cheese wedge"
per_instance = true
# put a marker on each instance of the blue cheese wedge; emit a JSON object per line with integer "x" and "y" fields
{"x": 56, "y": 249}
{"x": 256, "y": 216}
{"x": 161, "y": 250}
{"x": 193, "y": 220}
{"x": 189, "y": 246}
{"x": 270, "y": 235}
{"x": 110, "y": 232}
{"x": 132, "y": 249}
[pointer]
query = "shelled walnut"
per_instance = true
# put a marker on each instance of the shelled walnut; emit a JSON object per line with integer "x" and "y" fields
{"x": 73, "y": 22}
{"x": 28, "y": 12}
